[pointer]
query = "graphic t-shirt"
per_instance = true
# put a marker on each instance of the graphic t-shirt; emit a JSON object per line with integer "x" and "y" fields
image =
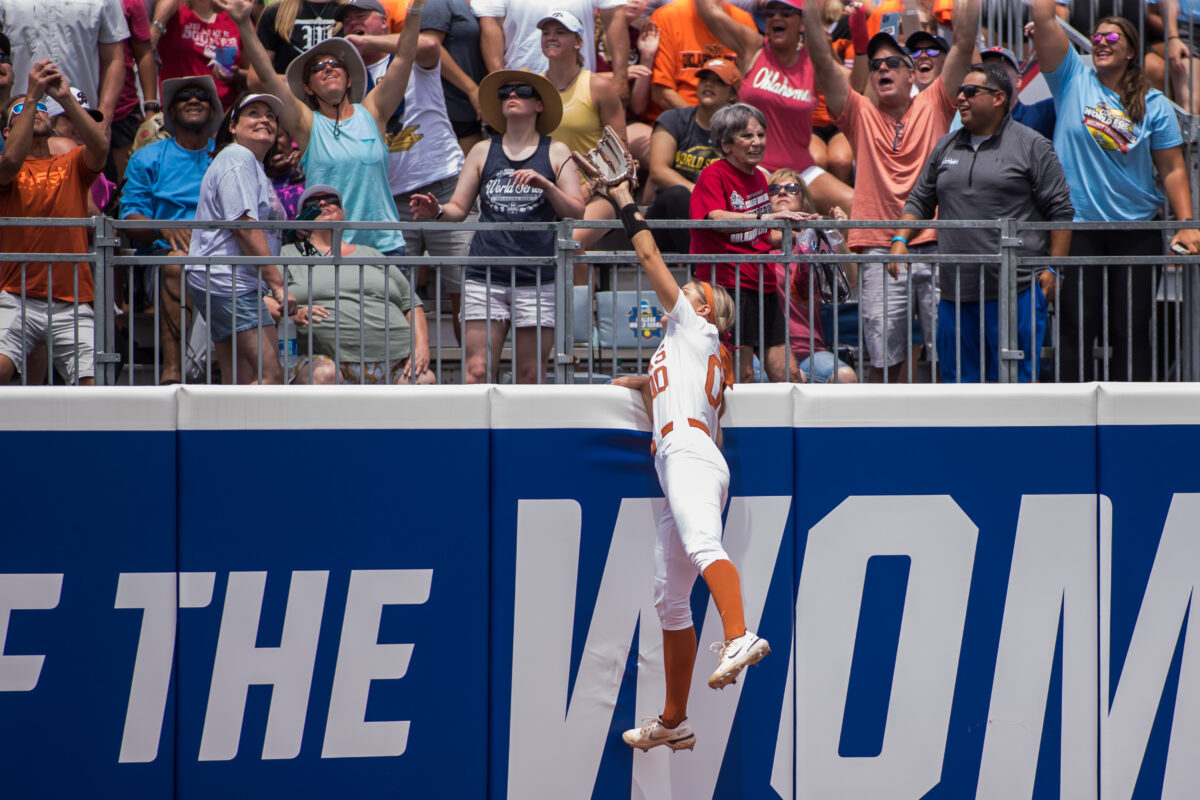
{"x": 724, "y": 187}
{"x": 686, "y": 43}
{"x": 314, "y": 24}
{"x": 694, "y": 149}
{"x": 56, "y": 186}
{"x": 1106, "y": 157}
{"x": 787, "y": 97}
{"x": 190, "y": 43}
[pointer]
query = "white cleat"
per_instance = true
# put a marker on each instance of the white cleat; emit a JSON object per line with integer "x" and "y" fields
{"x": 654, "y": 734}
{"x": 736, "y": 655}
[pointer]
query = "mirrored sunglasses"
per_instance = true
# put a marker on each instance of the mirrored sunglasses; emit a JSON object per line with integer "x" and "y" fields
{"x": 931, "y": 52}
{"x": 19, "y": 107}
{"x": 1112, "y": 37}
{"x": 780, "y": 188}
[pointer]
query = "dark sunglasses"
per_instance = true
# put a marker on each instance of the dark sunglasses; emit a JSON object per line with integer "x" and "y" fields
{"x": 4, "y": 59}
{"x": 325, "y": 63}
{"x": 778, "y": 9}
{"x": 780, "y": 188}
{"x": 932, "y": 52}
{"x": 323, "y": 200}
{"x": 521, "y": 90}
{"x": 969, "y": 90}
{"x": 1112, "y": 37}
{"x": 184, "y": 95}
{"x": 893, "y": 62}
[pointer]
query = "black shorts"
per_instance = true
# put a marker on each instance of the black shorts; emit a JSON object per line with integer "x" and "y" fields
{"x": 773, "y": 322}
{"x": 826, "y": 132}
{"x": 125, "y": 129}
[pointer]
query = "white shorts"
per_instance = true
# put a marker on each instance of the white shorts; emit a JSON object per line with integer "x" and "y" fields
{"x": 811, "y": 174}
{"x": 17, "y": 340}
{"x": 526, "y": 306}
{"x": 888, "y": 348}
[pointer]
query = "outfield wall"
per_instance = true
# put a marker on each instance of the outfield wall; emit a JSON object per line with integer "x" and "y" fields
{"x": 440, "y": 592}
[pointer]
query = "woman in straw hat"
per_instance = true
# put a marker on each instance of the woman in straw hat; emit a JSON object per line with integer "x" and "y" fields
{"x": 519, "y": 175}
{"x": 338, "y": 126}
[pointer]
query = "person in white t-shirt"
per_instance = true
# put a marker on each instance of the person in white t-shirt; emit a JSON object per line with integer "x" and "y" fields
{"x": 510, "y": 39}
{"x": 423, "y": 153}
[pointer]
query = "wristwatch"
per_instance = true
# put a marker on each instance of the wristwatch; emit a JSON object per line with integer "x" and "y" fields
{"x": 151, "y": 106}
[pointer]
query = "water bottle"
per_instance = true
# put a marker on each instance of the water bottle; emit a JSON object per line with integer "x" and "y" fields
{"x": 289, "y": 349}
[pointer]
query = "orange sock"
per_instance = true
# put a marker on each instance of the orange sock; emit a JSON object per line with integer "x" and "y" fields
{"x": 722, "y": 579}
{"x": 679, "y": 656}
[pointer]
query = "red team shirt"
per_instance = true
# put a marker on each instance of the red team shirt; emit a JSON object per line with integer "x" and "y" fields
{"x": 722, "y": 186}
{"x": 190, "y": 42}
{"x": 787, "y": 98}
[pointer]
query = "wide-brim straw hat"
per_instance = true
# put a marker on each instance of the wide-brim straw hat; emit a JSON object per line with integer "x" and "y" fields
{"x": 492, "y": 108}
{"x": 172, "y": 86}
{"x": 339, "y": 48}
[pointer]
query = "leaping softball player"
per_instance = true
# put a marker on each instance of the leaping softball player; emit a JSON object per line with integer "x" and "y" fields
{"x": 684, "y": 393}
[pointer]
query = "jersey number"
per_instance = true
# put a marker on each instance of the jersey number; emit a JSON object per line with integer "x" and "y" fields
{"x": 713, "y": 385}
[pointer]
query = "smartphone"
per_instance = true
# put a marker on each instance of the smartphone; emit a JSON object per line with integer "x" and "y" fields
{"x": 890, "y": 23}
{"x": 1179, "y": 249}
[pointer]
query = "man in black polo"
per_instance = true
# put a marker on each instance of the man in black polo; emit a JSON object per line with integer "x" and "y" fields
{"x": 993, "y": 168}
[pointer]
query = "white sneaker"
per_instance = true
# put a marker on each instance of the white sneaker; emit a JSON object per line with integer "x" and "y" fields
{"x": 736, "y": 655}
{"x": 654, "y": 733}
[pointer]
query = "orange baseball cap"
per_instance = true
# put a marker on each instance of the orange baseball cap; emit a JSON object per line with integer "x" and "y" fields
{"x": 725, "y": 71}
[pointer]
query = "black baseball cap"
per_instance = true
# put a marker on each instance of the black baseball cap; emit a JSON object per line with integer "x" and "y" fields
{"x": 922, "y": 39}
{"x": 884, "y": 38}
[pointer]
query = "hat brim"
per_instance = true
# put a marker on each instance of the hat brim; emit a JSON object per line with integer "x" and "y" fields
{"x": 173, "y": 86}
{"x": 492, "y": 109}
{"x": 884, "y": 39}
{"x": 335, "y": 47}
{"x": 320, "y": 188}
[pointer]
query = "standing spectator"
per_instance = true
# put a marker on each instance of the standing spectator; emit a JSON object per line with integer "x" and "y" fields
{"x": 734, "y": 187}
{"x": 1113, "y": 133}
{"x": 67, "y": 137}
{"x": 163, "y": 182}
{"x": 129, "y": 112}
{"x": 423, "y": 152}
{"x": 778, "y": 80}
{"x": 519, "y": 175}
{"x": 685, "y": 45}
{"x": 230, "y": 297}
{"x": 86, "y": 42}
{"x": 41, "y": 302}
{"x": 929, "y": 57}
{"x": 682, "y": 147}
{"x": 456, "y": 28}
{"x": 200, "y": 39}
{"x": 339, "y": 127}
{"x": 993, "y": 168}
{"x": 288, "y": 28}
{"x": 510, "y": 39}
{"x": 892, "y": 139}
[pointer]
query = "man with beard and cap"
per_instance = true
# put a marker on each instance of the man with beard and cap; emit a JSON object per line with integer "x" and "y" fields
{"x": 40, "y": 301}
{"x": 162, "y": 181}
{"x": 892, "y": 139}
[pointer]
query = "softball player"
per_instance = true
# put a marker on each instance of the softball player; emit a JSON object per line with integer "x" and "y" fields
{"x": 684, "y": 393}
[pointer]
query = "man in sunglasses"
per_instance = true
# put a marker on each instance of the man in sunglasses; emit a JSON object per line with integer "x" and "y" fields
{"x": 38, "y": 301}
{"x": 929, "y": 56}
{"x": 993, "y": 168}
{"x": 162, "y": 181}
{"x": 892, "y": 139}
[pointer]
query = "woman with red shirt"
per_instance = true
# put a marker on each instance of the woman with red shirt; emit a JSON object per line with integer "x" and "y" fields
{"x": 778, "y": 80}
{"x": 199, "y": 39}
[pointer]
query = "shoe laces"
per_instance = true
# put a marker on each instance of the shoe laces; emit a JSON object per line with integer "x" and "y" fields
{"x": 648, "y": 723}
{"x": 718, "y": 647}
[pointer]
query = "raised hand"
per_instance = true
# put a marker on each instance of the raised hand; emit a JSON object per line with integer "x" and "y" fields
{"x": 42, "y": 74}
{"x": 238, "y": 10}
{"x": 647, "y": 43}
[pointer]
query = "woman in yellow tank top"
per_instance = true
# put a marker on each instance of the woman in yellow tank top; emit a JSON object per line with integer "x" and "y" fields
{"x": 590, "y": 102}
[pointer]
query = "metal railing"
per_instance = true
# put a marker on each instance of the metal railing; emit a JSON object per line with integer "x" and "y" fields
{"x": 1174, "y": 302}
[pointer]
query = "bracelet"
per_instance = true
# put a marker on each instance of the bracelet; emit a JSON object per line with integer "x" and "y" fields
{"x": 1176, "y": 36}
{"x": 152, "y": 105}
{"x": 900, "y": 239}
{"x": 758, "y": 215}
{"x": 158, "y": 24}
{"x": 441, "y": 210}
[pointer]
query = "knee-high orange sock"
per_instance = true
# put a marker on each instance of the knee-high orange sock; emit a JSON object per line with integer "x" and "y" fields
{"x": 726, "y": 588}
{"x": 679, "y": 656}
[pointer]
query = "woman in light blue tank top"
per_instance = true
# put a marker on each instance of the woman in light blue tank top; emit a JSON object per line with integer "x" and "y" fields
{"x": 338, "y": 129}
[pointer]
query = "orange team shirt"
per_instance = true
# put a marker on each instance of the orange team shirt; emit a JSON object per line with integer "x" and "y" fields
{"x": 686, "y": 43}
{"x": 889, "y": 157}
{"x": 56, "y": 186}
{"x": 943, "y": 12}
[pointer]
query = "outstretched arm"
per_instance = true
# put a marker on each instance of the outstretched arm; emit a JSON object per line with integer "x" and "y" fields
{"x": 665, "y": 286}
{"x": 385, "y": 98}
{"x": 737, "y": 37}
{"x": 962, "y": 50}
{"x": 1049, "y": 39}
{"x": 831, "y": 76}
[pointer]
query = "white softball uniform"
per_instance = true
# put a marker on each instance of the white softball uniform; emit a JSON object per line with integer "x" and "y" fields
{"x": 686, "y": 378}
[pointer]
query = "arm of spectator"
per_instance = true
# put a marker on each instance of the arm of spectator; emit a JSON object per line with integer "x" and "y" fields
{"x": 253, "y": 242}
{"x": 564, "y": 193}
{"x": 641, "y": 385}
{"x": 962, "y": 49}
{"x": 451, "y": 71}
{"x": 388, "y": 94}
{"x": 1177, "y": 52}
{"x": 427, "y": 205}
{"x": 1173, "y": 171}
{"x": 900, "y": 248}
{"x": 147, "y": 68}
{"x": 1049, "y": 39}
{"x": 112, "y": 78}
{"x": 20, "y": 133}
{"x": 296, "y": 118}
{"x": 608, "y": 103}
{"x": 613, "y": 20}
{"x": 665, "y": 97}
{"x": 418, "y": 362}
{"x": 662, "y": 156}
{"x": 639, "y": 92}
{"x": 732, "y": 34}
{"x": 163, "y": 11}
{"x": 830, "y": 74}
{"x": 491, "y": 42}
{"x": 95, "y": 140}
{"x": 860, "y": 39}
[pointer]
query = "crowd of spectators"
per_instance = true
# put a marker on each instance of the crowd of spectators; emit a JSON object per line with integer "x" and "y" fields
{"x": 390, "y": 111}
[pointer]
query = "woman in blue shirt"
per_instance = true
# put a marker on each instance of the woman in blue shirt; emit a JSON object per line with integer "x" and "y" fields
{"x": 1113, "y": 133}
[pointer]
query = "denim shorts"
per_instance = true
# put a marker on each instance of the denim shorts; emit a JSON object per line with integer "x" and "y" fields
{"x": 247, "y": 306}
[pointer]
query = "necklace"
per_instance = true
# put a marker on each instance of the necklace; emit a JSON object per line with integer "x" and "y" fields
{"x": 567, "y": 85}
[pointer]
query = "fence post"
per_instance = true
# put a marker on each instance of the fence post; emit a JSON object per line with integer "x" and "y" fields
{"x": 105, "y": 358}
{"x": 564, "y": 294}
{"x": 1010, "y": 349}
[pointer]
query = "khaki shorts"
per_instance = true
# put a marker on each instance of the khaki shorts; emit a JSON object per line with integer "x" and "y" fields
{"x": 526, "y": 306}
{"x": 55, "y": 321}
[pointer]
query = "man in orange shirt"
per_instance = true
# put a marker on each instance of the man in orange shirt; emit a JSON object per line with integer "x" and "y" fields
{"x": 40, "y": 302}
{"x": 685, "y": 44}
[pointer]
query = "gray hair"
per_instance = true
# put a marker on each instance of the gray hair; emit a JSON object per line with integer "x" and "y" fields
{"x": 731, "y": 120}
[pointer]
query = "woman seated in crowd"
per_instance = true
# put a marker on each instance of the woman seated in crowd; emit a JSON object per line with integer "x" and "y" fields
{"x": 788, "y": 193}
{"x": 519, "y": 175}
{"x": 392, "y": 344}
{"x": 682, "y": 146}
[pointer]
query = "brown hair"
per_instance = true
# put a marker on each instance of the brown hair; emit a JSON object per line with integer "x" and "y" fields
{"x": 1134, "y": 83}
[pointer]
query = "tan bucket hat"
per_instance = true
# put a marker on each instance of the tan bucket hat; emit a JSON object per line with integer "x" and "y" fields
{"x": 490, "y": 105}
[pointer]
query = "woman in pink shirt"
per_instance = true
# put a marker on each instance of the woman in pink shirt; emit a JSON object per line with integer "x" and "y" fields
{"x": 778, "y": 80}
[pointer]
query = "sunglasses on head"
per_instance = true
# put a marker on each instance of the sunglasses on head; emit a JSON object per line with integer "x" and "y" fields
{"x": 184, "y": 95}
{"x": 778, "y": 9}
{"x": 779, "y": 188}
{"x": 893, "y": 62}
{"x": 323, "y": 200}
{"x": 969, "y": 90}
{"x": 19, "y": 107}
{"x": 325, "y": 63}
{"x": 1112, "y": 37}
{"x": 932, "y": 52}
{"x": 522, "y": 90}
